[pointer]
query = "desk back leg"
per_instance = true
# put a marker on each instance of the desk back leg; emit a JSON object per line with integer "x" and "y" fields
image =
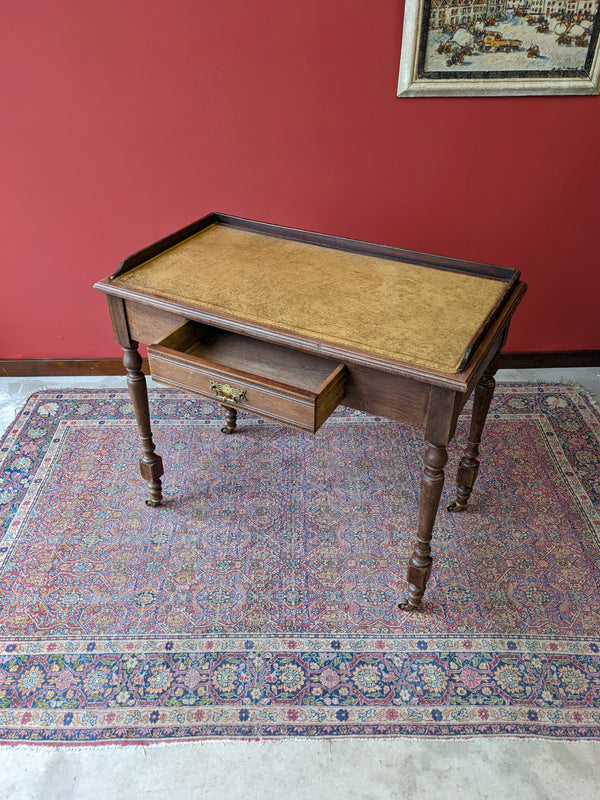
{"x": 469, "y": 463}
{"x": 230, "y": 419}
{"x": 151, "y": 466}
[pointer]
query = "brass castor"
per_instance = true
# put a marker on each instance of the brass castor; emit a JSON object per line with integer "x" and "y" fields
{"x": 406, "y": 605}
{"x": 456, "y": 507}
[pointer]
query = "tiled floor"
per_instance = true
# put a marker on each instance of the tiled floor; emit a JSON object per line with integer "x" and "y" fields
{"x": 398, "y": 769}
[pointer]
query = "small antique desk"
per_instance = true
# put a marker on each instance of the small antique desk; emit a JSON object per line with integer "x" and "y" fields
{"x": 289, "y": 324}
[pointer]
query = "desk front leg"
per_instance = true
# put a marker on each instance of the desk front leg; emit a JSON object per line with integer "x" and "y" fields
{"x": 419, "y": 566}
{"x": 151, "y": 466}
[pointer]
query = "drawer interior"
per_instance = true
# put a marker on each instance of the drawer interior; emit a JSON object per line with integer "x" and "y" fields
{"x": 251, "y": 357}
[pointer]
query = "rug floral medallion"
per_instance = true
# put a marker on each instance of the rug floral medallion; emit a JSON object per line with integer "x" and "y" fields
{"x": 260, "y": 600}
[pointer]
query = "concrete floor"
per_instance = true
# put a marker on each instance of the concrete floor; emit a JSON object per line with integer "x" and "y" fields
{"x": 475, "y": 769}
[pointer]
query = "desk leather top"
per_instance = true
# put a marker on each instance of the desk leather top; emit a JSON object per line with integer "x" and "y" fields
{"x": 404, "y": 312}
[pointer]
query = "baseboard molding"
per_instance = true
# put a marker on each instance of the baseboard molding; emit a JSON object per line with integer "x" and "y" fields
{"x": 38, "y": 367}
{"x": 544, "y": 360}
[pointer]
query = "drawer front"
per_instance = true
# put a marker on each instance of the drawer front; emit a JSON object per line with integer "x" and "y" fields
{"x": 295, "y": 406}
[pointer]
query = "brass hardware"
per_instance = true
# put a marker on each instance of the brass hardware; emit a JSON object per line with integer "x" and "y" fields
{"x": 456, "y": 507}
{"x": 406, "y": 605}
{"x": 225, "y": 392}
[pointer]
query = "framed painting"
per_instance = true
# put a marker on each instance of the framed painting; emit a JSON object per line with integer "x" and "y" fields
{"x": 499, "y": 47}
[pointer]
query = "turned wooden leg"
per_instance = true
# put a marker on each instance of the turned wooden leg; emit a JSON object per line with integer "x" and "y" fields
{"x": 469, "y": 463}
{"x": 419, "y": 566}
{"x": 151, "y": 466}
{"x": 230, "y": 419}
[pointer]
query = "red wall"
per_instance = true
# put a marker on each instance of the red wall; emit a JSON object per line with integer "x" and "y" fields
{"x": 123, "y": 120}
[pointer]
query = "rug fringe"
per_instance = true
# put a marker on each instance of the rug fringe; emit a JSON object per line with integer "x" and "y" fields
{"x": 141, "y": 746}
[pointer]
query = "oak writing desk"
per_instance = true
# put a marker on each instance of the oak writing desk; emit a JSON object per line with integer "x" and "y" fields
{"x": 289, "y": 324}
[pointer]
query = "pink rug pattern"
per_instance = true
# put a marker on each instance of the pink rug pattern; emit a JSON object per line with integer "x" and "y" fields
{"x": 260, "y": 600}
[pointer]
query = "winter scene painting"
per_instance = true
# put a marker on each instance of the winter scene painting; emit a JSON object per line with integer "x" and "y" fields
{"x": 500, "y": 47}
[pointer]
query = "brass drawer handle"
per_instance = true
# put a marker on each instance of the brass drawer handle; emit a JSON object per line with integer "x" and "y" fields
{"x": 225, "y": 392}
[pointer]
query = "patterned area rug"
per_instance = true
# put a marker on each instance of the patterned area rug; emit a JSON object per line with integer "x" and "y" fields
{"x": 260, "y": 601}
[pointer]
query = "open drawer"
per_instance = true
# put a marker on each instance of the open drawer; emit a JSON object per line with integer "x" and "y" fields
{"x": 289, "y": 386}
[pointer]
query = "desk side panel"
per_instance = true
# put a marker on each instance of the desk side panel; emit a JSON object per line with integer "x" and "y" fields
{"x": 150, "y": 325}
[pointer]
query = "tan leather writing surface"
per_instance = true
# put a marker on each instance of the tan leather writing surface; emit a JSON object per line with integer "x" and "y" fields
{"x": 401, "y": 311}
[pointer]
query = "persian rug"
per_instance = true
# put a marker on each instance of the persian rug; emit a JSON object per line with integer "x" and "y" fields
{"x": 260, "y": 600}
